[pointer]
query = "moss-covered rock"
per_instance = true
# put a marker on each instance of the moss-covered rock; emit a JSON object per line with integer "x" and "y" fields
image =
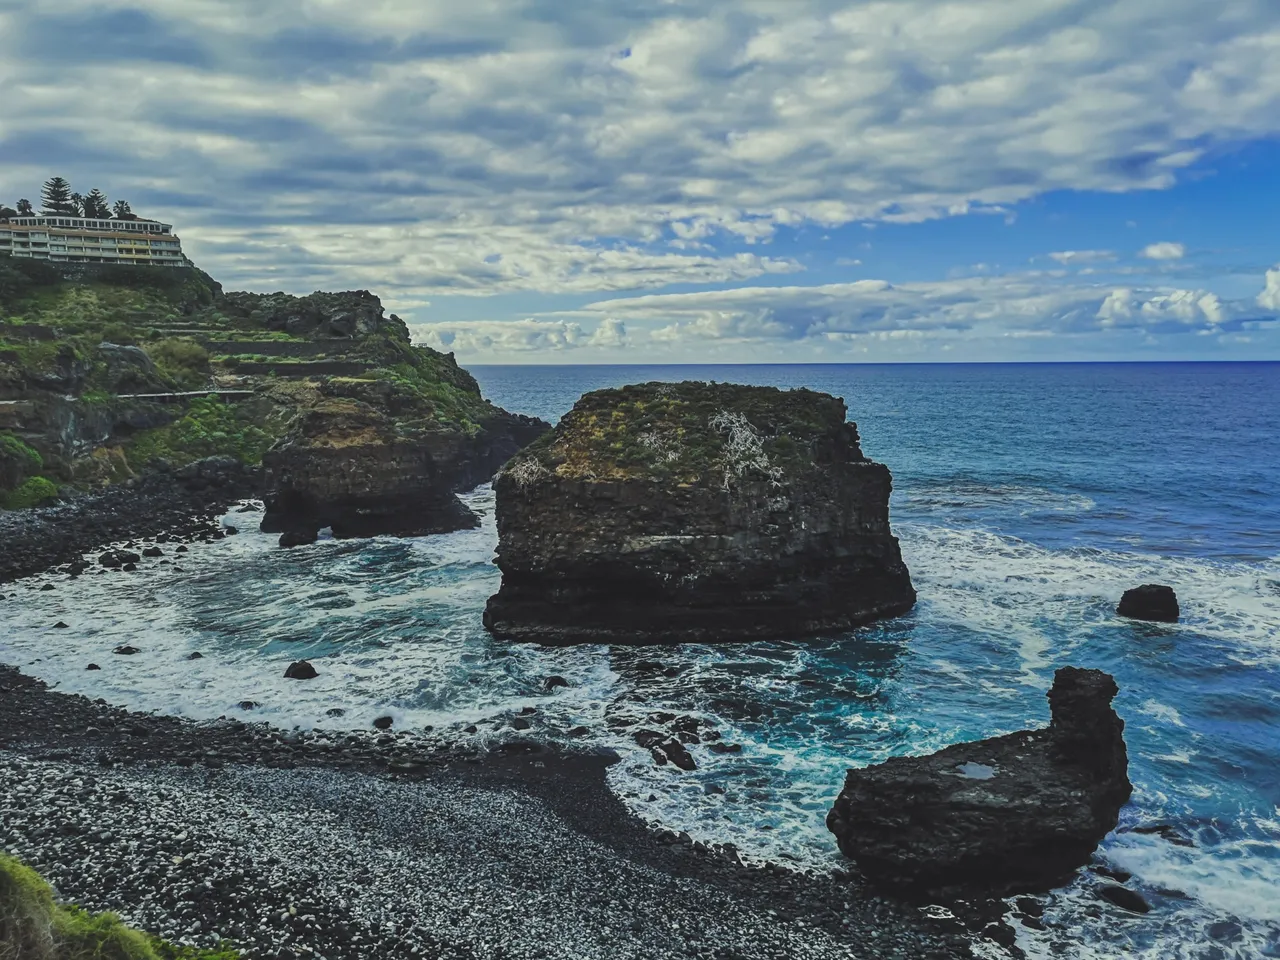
{"x": 692, "y": 512}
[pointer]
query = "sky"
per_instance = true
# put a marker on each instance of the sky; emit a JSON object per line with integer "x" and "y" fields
{"x": 628, "y": 181}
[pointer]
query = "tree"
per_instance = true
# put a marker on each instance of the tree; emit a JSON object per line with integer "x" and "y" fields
{"x": 122, "y": 210}
{"x": 25, "y": 209}
{"x": 55, "y": 196}
{"x": 77, "y": 205}
{"x": 6, "y": 212}
{"x": 96, "y": 206}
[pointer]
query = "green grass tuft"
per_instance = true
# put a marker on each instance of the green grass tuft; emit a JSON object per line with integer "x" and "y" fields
{"x": 33, "y": 926}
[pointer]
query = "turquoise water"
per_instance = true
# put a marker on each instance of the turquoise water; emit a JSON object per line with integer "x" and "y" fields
{"x": 1027, "y": 498}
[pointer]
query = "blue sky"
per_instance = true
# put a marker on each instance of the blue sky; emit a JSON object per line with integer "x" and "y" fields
{"x": 693, "y": 180}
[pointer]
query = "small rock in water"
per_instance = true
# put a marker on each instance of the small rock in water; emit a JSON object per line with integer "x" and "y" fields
{"x": 125, "y": 650}
{"x": 93, "y": 666}
{"x": 1124, "y": 898}
{"x": 181, "y": 549}
{"x": 335, "y": 712}
{"x": 47, "y": 586}
{"x": 554, "y": 682}
{"x": 197, "y": 655}
{"x": 383, "y": 723}
{"x": 129, "y": 567}
{"x": 301, "y": 670}
{"x": 229, "y": 531}
{"x": 297, "y": 538}
{"x": 1151, "y": 601}
{"x": 247, "y": 704}
{"x": 153, "y": 552}
{"x": 60, "y": 626}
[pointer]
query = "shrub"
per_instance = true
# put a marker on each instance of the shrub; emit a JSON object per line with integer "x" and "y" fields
{"x": 183, "y": 361}
{"x": 31, "y": 493}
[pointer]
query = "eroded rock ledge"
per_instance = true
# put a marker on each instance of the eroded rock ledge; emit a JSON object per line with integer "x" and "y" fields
{"x": 695, "y": 512}
{"x": 1012, "y": 814}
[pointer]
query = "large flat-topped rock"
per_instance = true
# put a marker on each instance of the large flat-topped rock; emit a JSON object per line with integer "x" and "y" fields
{"x": 695, "y": 512}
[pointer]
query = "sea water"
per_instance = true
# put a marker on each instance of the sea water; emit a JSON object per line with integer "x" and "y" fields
{"x": 1027, "y": 499}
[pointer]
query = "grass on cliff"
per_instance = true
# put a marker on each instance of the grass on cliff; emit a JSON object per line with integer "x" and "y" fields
{"x": 33, "y": 926}
{"x": 210, "y": 427}
{"x": 688, "y": 432}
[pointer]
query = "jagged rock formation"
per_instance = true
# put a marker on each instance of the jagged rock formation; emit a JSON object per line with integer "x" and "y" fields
{"x": 1018, "y": 813}
{"x": 1151, "y": 601}
{"x": 694, "y": 512}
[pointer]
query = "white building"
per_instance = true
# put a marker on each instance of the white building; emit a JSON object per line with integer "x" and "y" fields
{"x": 68, "y": 239}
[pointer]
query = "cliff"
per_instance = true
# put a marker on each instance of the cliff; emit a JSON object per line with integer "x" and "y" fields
{"x": 109, "y": 372}
{"x": 694, "y": 512}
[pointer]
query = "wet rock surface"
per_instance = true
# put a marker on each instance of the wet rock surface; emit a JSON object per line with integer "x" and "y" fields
{"x": 1151, "y": 601}
{"x": 178, "y": 504}
{"x": 1012, "y": 814}
{"x": 693, "y": 512}
{"x": 290, "y": 844}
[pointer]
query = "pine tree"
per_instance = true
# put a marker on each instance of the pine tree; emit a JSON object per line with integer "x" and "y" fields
{"x": 25, "y": 209}
{"x": 55, "y": 197}
{"x": 77, "y": 205}
{"x": 96, "y": 206}
{"x": 122, "y": 211}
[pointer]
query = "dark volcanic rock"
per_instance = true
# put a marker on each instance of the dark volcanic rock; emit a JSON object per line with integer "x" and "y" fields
{"x": 180, "y": 503}
{"x": 383, "y": 723}
{"x": 298, "y": 538}
{"x": 1124, "y": 898}
{"x": 301, "y": 670}
{"x": 1151, "y": 601}
{"x": 1018, "y": 813}
{"x": 693, "y": 512}
{"x": 375, "y": 457}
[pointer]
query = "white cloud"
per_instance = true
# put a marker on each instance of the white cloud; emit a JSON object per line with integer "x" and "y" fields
{"x": 1068, "y": 257}
{"x": 974, "y": 308}
{"x": 606, "y": 146}
{"x": 1163, "y": 251}
{"x": 1269, "y": 298}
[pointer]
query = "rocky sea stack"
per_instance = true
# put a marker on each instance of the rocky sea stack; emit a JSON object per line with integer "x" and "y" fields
{"x": 695, "y": 512}
{"x": 1013, "y": 814}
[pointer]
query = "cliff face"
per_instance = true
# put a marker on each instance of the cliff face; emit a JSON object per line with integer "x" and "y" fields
{"x": 1013, "y": 814}
{"x": 107, "y": 373}
{"x": 667, "y": 513}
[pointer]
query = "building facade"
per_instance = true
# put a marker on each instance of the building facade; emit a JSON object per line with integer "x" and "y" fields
{"x": 67, "y": 239}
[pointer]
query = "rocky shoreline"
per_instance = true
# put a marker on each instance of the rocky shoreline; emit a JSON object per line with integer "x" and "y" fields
{"x": 292, "y": 844}
{"x": 181, "y": 504}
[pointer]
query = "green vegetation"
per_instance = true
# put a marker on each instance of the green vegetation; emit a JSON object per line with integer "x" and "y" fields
{"x": 209, "y": 428}
{"x": 32, "y": 493}
{"x": 184, "y": 362}
{"x": 19, "y": 455}
{"x": 689, "y": 431}
{"x": 33, "y": 926}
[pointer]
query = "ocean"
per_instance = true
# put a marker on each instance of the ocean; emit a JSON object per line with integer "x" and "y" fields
{"x": 1027, "y": 497}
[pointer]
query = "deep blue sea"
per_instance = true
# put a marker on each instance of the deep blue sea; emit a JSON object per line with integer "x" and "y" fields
{"x": 1027, "y": 498}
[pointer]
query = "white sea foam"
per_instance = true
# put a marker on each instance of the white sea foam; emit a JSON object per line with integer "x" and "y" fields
{"x": 393, "y": 627}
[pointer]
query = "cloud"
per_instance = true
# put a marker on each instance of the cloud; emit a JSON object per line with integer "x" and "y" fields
{"x": 1068, "y": 257}
{"x": 1269, "y": 298}
{"x": 1163, "y": 251}
{"x": 606, "y": 147}
{"x": 533, "y": 335}
{"x": 1024, "y": 305}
